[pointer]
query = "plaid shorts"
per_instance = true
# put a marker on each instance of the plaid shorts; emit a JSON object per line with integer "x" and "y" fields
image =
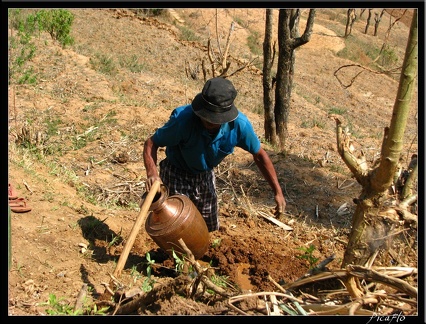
{"x": 199, "y": 188}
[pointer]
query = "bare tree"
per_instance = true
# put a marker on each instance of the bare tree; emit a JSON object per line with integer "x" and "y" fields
{"x": 368, "y": 21}
{"x": 383, "y": 207}
{"x": 268, "y": 80}
{"x": 219, "y": 58}
{"x": 351, "y": 17}
{"x": 377, "y": 19}
{"x": 288, "y": 41}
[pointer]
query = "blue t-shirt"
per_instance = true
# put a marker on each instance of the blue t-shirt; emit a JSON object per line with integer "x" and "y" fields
{"x": 190, "y": 147}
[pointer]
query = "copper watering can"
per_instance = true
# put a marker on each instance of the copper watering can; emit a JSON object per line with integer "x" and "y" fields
{"x": 175, "y": 217}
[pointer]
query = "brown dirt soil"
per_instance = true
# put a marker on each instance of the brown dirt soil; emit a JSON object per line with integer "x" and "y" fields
{"x": 85, "y": 189}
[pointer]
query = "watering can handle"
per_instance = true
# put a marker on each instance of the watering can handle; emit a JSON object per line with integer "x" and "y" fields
{"x": 136, "y": 227}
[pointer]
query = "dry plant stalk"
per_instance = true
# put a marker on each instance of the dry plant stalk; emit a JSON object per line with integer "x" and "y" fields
{"x": 222, "y": 60}
{"x": 200, "y": 271}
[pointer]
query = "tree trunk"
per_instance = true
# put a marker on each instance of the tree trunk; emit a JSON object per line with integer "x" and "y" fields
{"x": 285, "y": 75}
{"x": 377, "y": 19}
{"x": 268, "y": 83}
{"x": 350, "y": 19}
{"x": 368, "y": 21}
{"x": 377, "y": 217}
{"x": 288, "y": 41}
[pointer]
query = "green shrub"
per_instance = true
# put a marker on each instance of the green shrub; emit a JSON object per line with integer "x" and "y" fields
{"x": 57, "y": 22}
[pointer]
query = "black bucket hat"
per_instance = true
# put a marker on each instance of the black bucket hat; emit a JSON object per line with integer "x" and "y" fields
{"x": 216, "y": 102}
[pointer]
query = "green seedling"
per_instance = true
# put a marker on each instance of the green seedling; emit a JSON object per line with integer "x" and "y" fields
{"x": 308, "y": 255}
{"x": 149, "y": 264}
{"x": 216, "y": 242}
{"x": 59, "y": 307}
{"x": 180, "y": 263}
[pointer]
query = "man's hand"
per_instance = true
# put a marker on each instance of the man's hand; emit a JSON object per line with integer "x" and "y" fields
{"x": 280, "y": 207}
{"x": 150, "y": 162}
{"x": 150, "y": 181}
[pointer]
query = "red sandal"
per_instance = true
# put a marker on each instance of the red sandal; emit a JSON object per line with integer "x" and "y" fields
{"x": 12, "y": 193}
{"x": 19, "y": 205}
